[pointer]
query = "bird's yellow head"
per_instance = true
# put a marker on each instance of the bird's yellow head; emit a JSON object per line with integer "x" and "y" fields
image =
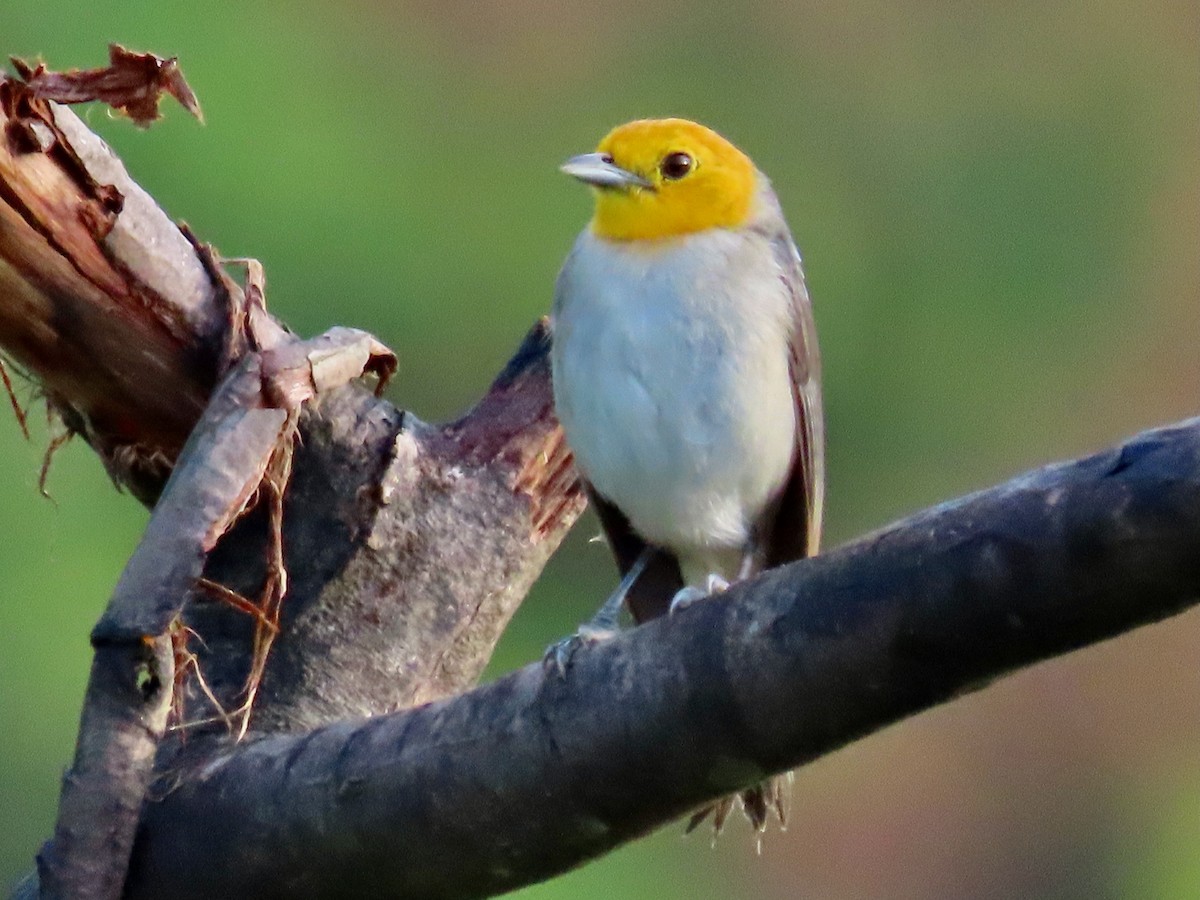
{"x": 660, "y": 178}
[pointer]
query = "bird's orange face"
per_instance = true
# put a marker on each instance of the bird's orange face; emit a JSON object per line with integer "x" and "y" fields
{"x": 658, "y": 178}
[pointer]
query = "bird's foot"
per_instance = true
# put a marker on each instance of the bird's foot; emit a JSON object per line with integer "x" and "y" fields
{"x": 715, "y": 584}
{"x": 685, "y": 597}
{"x": 601, "y": 626}
{"x": 558, "y": 655}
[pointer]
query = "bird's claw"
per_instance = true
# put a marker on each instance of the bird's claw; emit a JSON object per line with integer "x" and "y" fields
{"x": 558, "y": 655}
{"x": 715, "y": 584}
{"x": 685, "y": 597}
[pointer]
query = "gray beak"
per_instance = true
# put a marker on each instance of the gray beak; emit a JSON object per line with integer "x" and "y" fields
{"x": 599, "y": 170}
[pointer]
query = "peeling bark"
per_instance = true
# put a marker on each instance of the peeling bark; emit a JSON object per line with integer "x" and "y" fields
{"x": 133, "y": 83}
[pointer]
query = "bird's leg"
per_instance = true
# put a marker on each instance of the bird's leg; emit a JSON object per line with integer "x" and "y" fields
{"x": 749, "y": 564}
{"x": 604, "y": 624}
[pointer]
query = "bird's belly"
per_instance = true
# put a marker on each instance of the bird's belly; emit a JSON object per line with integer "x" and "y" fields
{"x": 691, "y": 446}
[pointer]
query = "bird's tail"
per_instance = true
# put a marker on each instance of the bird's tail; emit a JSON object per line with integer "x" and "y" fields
{"x": 772, "y": 796}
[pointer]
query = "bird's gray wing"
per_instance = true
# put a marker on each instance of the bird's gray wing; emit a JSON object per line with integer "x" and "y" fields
{"x": 795, "y": 531}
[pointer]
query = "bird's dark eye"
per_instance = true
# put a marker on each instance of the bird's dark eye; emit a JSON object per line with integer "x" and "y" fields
{"x": 675, "y": 165}
{"x": 607, "y": 158}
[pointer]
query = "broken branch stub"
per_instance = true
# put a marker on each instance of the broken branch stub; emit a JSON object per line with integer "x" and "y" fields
{"x": 105, "y": 301}
{"x": 408, "y": 548}
{"x": 403, "y": 547}
{"x": 125, "y": 320}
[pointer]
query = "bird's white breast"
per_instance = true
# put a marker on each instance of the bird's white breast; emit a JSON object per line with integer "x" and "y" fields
{"x": 672, "y": 383}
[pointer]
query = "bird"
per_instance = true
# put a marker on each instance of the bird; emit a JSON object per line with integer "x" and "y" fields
{"x": 686, "y": 378}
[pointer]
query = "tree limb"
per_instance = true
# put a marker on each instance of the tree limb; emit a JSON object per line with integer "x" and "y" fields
{"x": 530, "y": 776}
{"x": 407, "y": 546}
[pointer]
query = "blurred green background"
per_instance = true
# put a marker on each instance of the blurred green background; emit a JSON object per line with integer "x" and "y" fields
{"x": 999, "y": 208}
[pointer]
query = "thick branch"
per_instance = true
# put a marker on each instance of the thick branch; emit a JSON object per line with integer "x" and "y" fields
{"x": 532, "y": 775}
{"x": 125, "y": 714}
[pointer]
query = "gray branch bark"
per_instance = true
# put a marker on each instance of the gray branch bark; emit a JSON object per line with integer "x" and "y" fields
{"x": 517, "y": 781}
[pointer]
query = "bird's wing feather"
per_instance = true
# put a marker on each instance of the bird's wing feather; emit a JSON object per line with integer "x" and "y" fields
{"x": 795, "y": 531}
